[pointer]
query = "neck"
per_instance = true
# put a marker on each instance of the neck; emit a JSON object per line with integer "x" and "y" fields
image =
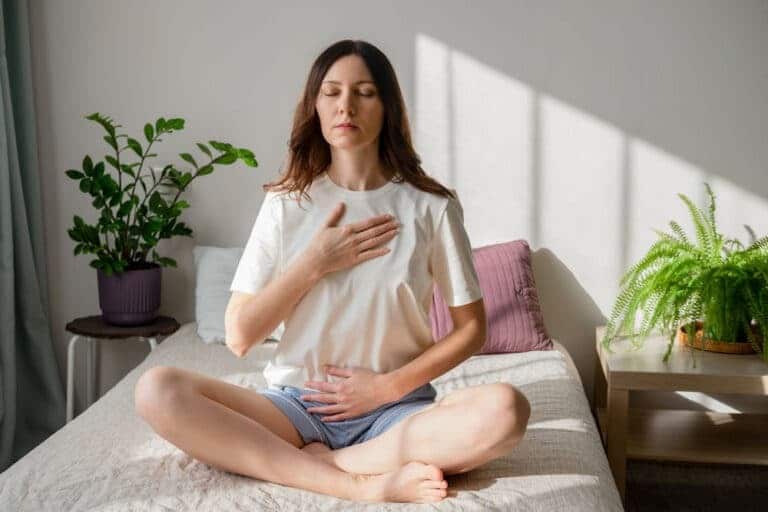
{"x": 358, "y": 169}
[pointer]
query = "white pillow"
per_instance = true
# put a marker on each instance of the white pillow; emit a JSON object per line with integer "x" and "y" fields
{"x": 215, "y": 268}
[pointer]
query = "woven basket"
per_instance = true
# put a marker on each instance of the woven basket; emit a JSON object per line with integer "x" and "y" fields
{"x": 723, "y": 347}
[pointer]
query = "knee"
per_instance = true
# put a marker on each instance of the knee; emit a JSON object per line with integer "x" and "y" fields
{"x": 158, "y": 389}
{"x": 507, "y": 410}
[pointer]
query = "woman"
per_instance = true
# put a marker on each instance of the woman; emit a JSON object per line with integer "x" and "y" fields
{"x": 349, "y": 409}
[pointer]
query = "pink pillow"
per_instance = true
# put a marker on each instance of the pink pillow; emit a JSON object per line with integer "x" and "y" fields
{"x": 515, "y": 322}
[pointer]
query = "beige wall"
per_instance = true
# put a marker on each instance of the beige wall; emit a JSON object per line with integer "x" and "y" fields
{"x": 570, "y": 126}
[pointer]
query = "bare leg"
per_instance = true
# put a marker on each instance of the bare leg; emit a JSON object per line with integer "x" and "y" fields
{"x": 224, "y": 438}
{"x": 466, "y": 429}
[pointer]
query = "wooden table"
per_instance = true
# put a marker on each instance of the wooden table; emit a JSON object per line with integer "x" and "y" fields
{"x": 93, "y": 328}
{"x": 680, "y": 435}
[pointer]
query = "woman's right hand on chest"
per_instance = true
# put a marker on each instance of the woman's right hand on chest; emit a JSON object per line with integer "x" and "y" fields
{"x": 338, "y": 247}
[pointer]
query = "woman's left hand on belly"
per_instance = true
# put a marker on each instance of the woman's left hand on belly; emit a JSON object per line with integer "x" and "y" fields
{"x": 361, "y": 391}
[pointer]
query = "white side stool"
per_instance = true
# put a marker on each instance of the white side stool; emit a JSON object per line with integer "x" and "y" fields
{"x": 91, "y": 328}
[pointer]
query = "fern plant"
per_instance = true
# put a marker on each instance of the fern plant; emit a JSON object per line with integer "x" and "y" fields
{"x": 717, "y": 281}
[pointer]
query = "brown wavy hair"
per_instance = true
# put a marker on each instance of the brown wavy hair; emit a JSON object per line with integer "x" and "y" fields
{"x": 309, "y": 153}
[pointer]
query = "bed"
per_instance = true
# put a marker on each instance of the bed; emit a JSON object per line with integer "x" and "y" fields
{"x": 107, "y": 458}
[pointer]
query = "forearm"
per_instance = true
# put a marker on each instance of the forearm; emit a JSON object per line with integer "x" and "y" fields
{"x": 438, "y": 359}
{"x": 259, "y": 316}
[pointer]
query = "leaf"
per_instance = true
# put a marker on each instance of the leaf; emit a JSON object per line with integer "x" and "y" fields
{"x": 111, "y": 141}
{"x": 75, "y": 175}
{"x": 226, "y": 159}
{"x": 220, "y": 146}
{"x": 105, "y": 122}
{"x": 206, "y": 169}
{"x": 156, "y": 202}
{"x": 111, "y": 161}
{"x": 204, "y": 149}
{"x": 85, "y": 185}
{"x": 135, "y": 146}
{"x": 167, "y": 261}
{"x": 187, "y": 157}
{"x": 245, "y": 153}
{"x": 125, "y": 208}
{"x": 98, "y": 169}
{"x": 160, "y": 125}
{"x": 149, "y": 132}
{"x": 175, "y": 123}
{"x": 87, "y": 165}
{"x": 250, "y": 162}
{"x": 128, "y": 170}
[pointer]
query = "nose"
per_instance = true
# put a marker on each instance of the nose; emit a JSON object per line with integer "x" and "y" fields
{"x": 346, "y": 103}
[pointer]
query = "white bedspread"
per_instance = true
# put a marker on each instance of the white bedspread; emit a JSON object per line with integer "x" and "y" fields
{"x": 108, "y": 458}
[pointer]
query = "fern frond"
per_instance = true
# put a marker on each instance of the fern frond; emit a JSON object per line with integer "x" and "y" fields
{"x": 752, "y": 236}
{"x": 711, "y": 209}
{"x": 703, "y": 235}
{"x": 679, "y": 232}
{"x": 759, "y": 245}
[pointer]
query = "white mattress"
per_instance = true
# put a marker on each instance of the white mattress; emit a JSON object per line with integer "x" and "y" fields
{"x": 108, "y": 458}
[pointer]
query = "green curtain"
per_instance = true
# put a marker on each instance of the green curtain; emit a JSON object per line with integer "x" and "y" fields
{"x": 32, "y": 398}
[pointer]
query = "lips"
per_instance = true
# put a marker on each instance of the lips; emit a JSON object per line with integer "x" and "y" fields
{"x": 345, "y": 125}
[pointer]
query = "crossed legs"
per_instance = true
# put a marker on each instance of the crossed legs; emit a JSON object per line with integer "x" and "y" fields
{"x": 464, "y": 430}
{"x": 238, "y": 430}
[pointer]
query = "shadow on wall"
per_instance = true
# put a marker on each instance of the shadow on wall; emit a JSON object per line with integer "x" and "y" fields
{"x": 569, "y": 311}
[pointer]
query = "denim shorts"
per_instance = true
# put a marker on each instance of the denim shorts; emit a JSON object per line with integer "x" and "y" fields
{"x": 341, "y": 433}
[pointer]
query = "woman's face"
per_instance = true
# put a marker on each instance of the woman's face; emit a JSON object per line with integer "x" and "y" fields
{"x": 348, "y": 95}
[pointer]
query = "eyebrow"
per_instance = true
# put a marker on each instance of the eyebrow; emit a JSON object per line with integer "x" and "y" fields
{"x": 358, "y": 82}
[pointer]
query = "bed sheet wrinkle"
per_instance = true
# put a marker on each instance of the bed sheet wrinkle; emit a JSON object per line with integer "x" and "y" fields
{"x": 108, "y": 458}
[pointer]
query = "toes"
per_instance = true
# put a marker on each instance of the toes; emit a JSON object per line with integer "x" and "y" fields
{"x": 433, "y": 472}
{"x": 441, "y": 493}
{"x": 435, "y": 484}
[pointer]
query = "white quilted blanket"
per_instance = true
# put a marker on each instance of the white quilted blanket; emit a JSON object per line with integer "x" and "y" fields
{"x": 108, "y": 459}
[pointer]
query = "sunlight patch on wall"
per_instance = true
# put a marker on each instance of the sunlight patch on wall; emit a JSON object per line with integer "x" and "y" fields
{"x": 735, "y": 207}
{"x": 581, "y": 180}
{"x": 656, "y": 177}
{"x": 474, "y": 134}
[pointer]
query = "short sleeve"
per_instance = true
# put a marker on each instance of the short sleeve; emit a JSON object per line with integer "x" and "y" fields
{"x": 260, "y": 260}
{"x": 451, "y": 259}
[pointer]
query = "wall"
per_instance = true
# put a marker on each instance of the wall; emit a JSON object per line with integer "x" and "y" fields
{"x": 571, "y": 126}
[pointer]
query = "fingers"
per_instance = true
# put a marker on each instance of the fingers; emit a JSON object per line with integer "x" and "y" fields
{"x": 372, "y": 253}
{"x": 337, "y": 417}
{"x": 330, "y": 387}
{"x": 375, "y": 241}
{"x": 373, "y": 221}
{"x": 341, "y": 372}
{"x": 328, "y": 399}
{"x": 335, "y": 215}
{"x": 327, "y": 409}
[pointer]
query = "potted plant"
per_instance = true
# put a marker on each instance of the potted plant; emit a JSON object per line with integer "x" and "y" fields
{"x": 130, "y": 223}
{"x": 716, "y": 288}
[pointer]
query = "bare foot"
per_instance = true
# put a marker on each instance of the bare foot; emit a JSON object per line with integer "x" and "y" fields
{"x": 414, "y": 482}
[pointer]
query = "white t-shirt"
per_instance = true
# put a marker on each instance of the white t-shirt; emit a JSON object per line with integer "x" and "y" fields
{"x": 374, "y": 314}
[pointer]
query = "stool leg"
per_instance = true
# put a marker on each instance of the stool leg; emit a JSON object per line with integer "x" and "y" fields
{"x": 89, "y": 374}
{"x": 71, "y": 376}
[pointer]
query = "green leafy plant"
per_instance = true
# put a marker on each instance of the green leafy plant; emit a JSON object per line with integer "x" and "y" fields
{"x": 132, "y": 223}
{"x": 718, "y": 281}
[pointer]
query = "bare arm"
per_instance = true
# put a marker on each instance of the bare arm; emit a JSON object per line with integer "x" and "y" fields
{"x": 466, "y": 338}
{"x": 250, "y": 318}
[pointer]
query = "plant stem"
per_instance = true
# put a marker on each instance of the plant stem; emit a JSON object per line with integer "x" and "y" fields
{"x": 130, "y": 255}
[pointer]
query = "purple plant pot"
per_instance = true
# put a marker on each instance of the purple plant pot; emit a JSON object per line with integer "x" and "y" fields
{"x": 131, "y": 297}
